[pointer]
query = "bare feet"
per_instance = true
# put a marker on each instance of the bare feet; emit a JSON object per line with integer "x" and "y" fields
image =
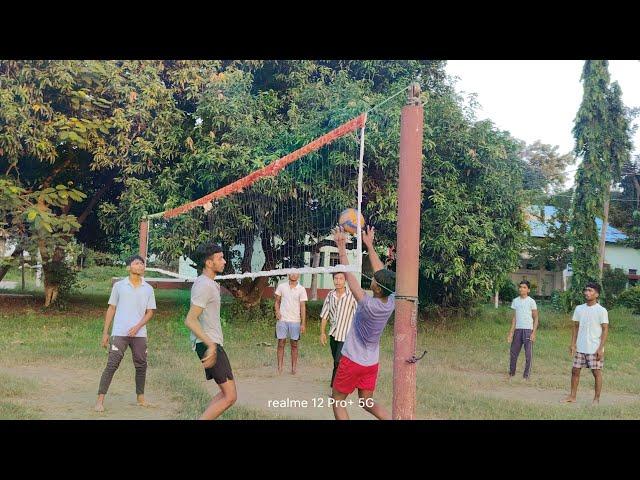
{"x": 293, "y": 372}
{"x": 279, "y": 371}
{"x": 569, "y": 399}
{"x": 141, "y": 402}
{"x": 99, "y": 407}
{"x": 595, "y": 402}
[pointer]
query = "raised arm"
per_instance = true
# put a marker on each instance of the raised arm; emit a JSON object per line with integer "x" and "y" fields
{"x": 341, "y": 242}
{"x": 367, "y": 239}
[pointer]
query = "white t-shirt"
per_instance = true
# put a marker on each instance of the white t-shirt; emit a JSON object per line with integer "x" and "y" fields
{"x": 523, "y": 308}
{"x": 591, "y": 319}
{"x": 131, "y": 305}
{"x": 290, "y": 299}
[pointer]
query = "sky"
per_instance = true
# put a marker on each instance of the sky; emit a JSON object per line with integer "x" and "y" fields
{"x": 538, "y": 99}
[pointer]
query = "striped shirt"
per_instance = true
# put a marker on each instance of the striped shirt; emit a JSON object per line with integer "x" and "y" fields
{"x": 340, "y": 313}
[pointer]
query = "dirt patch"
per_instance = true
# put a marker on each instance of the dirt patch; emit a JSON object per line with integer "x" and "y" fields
{"x": 284, "y": 395}
{"x": 70, "y": 394}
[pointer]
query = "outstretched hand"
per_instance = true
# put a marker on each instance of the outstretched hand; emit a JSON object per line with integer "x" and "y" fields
{"x": 367, "y": 235}
{"x": 340, "y": 237}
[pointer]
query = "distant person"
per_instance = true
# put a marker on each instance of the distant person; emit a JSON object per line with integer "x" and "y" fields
{"x": 291, "y": 315}
{"x": 524, "y": 325}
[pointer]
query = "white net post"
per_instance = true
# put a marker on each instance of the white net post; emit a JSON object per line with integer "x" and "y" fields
{"x": 360, "y": 174}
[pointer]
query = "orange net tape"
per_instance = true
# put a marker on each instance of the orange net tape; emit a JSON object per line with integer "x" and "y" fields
{"x": 272, "y": 168}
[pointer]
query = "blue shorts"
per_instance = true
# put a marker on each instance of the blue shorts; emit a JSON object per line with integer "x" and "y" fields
{"x": 287, "y": 330}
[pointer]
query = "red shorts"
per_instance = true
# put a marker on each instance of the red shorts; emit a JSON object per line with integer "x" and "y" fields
{"x": 351, "y": 375}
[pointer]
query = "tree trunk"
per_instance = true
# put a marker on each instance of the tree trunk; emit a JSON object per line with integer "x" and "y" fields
{"x": 314, "y": 278}
{"x": 51, "y": 287}
{"x": 603, "y": 234}
{"x": 249, "y": 291}
{"x": 636, "y": 185}
{"x": 496, "y": 299}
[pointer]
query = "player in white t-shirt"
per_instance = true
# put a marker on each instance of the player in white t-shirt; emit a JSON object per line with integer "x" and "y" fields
{"x": 590, "y": 331}
{"x": 523, "y": 328}
{"x": 291, "y": 298}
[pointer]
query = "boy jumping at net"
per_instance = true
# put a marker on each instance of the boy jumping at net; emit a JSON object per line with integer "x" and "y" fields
{"x": 358, "y": 367}
{"x": 203, "y": 320}
{"x": 524, "y": 325}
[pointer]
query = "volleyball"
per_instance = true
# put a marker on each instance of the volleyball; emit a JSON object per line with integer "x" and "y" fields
{"x": 348, "y": 219}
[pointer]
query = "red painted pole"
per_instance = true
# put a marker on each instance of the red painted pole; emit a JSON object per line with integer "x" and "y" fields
{"x": 144, "y": 236}
{"x": 407, "y": 254}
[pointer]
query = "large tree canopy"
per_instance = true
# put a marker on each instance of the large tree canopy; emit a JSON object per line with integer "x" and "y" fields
{"x": 140, "y": 137}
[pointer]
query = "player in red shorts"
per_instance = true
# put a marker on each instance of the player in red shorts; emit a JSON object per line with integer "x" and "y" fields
{"x": 358, "y": 367}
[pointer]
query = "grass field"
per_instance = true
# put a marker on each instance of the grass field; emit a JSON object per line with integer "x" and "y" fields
{"x": 463, "y": 375}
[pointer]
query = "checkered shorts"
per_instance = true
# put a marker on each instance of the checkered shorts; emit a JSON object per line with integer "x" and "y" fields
{"x": 587, "y": 360}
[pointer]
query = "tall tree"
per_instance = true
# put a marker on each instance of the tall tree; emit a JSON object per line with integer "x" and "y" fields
{"x": 620, "y": 146}
{"x": 601, "y": 132}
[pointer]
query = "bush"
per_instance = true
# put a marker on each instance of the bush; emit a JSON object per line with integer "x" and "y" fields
{"x": 614, "y": 282}
{"x": 508, "y": 291}
{"x": 66, "y": 277}
{"x": 100, "y": 259}
{"x": 562, "y": 301}
{"x": 630, "y": 298}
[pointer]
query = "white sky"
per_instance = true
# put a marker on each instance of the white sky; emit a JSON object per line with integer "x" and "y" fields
{"x": 538, "y": 99}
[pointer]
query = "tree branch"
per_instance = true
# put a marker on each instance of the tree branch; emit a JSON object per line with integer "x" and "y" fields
{"x": 99, "y": 194}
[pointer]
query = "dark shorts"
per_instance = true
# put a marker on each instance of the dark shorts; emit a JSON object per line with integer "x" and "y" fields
{"x": 221, "y": 371}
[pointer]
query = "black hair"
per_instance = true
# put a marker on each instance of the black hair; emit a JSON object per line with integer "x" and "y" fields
{"x": 340, "y": 273}
{"x": 525, "y": 282}
{"x": 204, "y": 252}
{"x": 134, "y": 257}
{"x": 593, "y": 285}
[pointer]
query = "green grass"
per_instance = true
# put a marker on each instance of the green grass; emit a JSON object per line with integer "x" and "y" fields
{"x": 11, "y": 388}
{"x": 467, "y": 358}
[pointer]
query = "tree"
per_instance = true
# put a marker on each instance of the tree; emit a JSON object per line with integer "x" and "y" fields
{"x": 27, "y": 219}
{"x": 553, "y": 252}
{"x": 544, "y": 167}
{"x": 161, "y": 134}
{"x": 601, "y": 131}
{"x": 100, "y": 123}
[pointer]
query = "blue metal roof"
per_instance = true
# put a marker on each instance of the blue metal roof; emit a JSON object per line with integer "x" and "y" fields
{"x": 539, "y": 229}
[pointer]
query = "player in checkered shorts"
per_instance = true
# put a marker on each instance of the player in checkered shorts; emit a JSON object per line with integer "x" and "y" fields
{"x": 590, "y": 330}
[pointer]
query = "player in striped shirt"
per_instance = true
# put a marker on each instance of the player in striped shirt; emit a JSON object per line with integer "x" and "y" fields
{"x": 339, "y": 308}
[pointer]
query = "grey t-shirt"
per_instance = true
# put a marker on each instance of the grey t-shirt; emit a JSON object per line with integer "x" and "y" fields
{"x": 362, "y": 344}
{"x": 205, "y": 293}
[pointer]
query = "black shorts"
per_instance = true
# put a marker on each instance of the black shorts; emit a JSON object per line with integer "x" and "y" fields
{"x": 221, "y": 371}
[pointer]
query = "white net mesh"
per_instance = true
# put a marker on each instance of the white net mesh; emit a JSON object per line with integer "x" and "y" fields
{"x": 274, "y": 221}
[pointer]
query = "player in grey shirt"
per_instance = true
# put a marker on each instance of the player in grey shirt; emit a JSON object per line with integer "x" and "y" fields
{"x": 203, "y": 320}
